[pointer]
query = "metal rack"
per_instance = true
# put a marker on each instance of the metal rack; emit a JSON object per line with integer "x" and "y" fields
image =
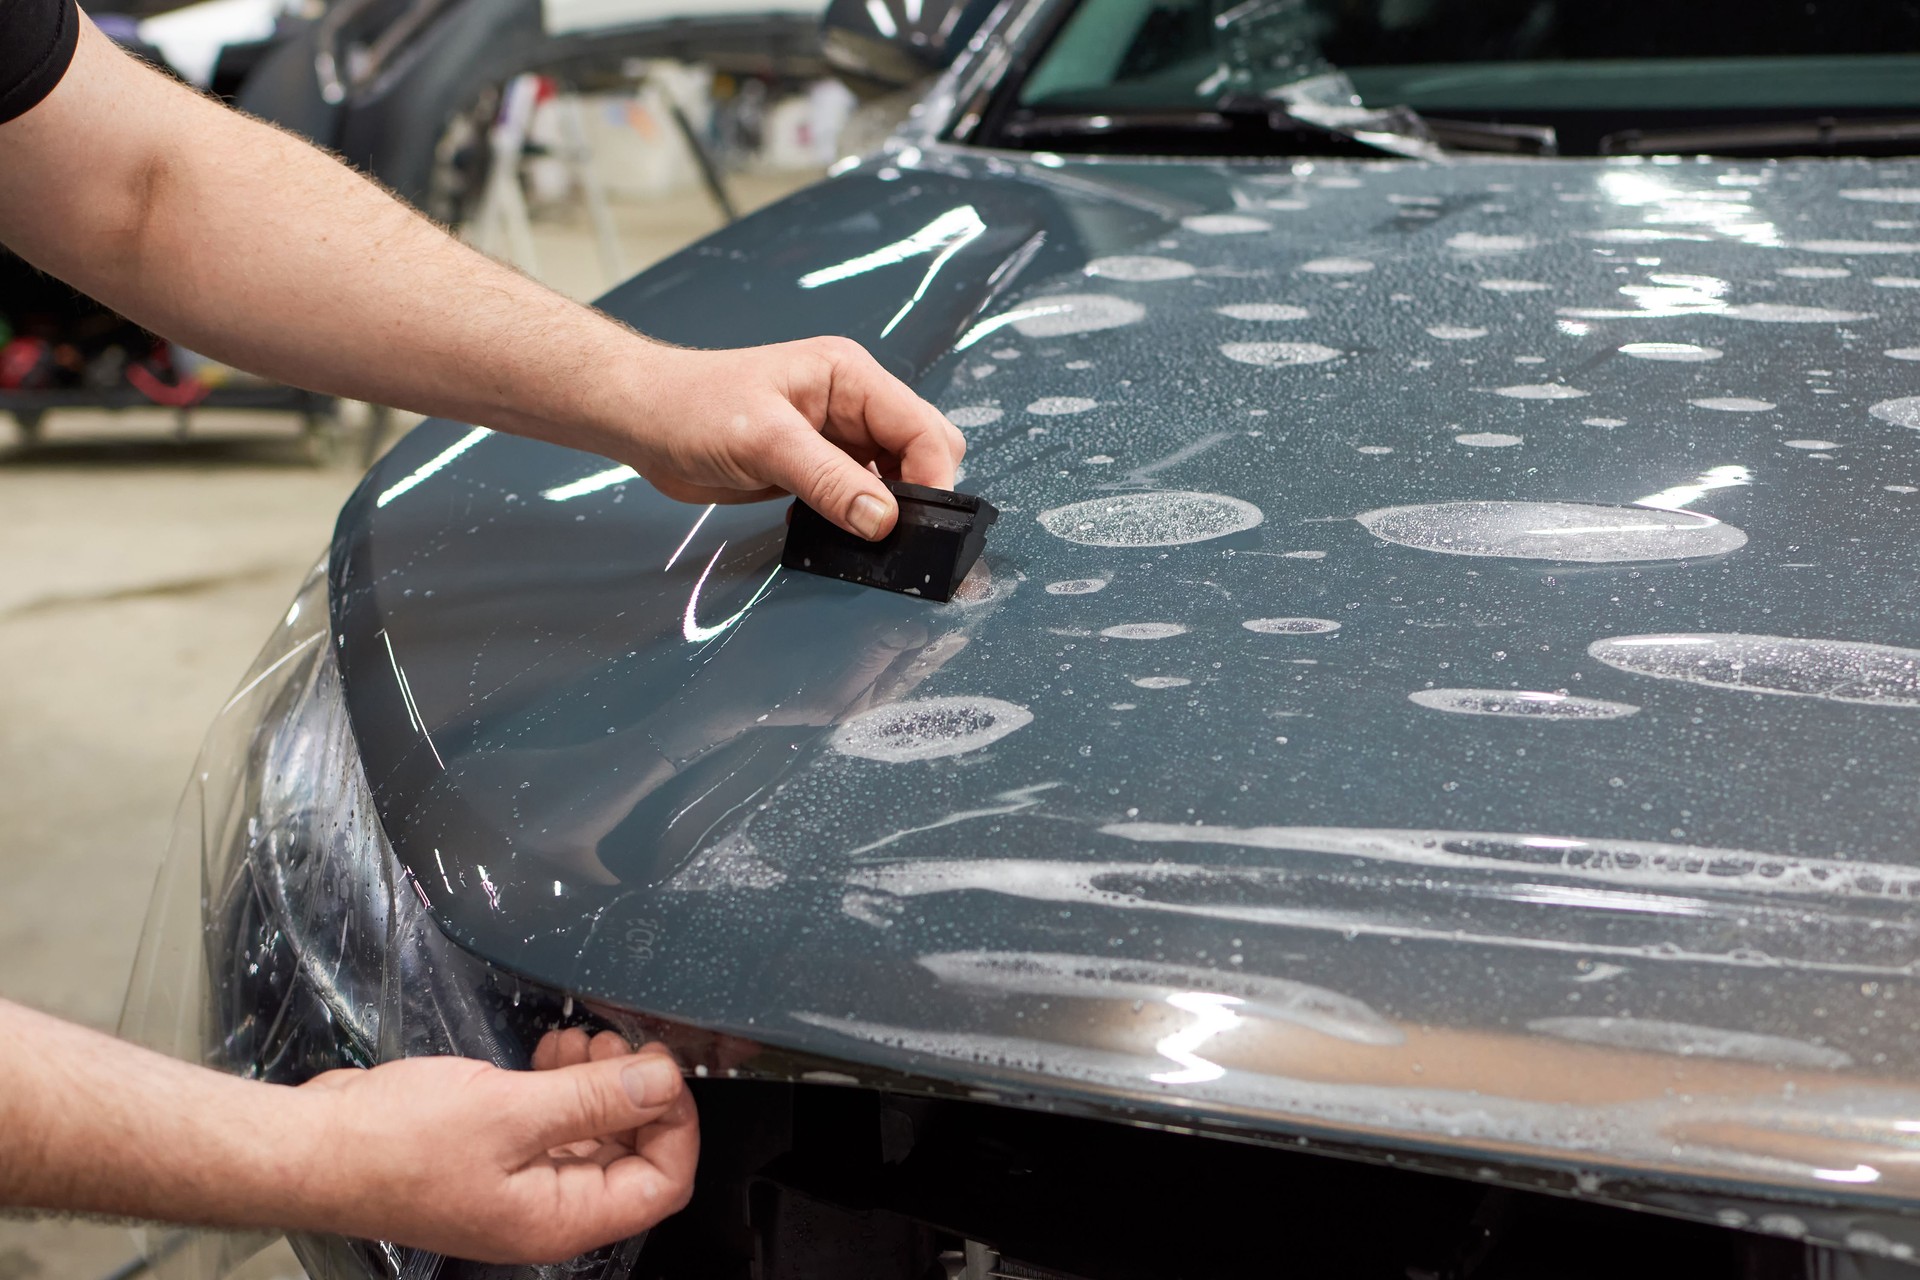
{"x": 323, "y": 430}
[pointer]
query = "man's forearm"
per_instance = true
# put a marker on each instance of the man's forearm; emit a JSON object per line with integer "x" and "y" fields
{"x": 249, "y": 245}
{"x": 91, "y": 1124}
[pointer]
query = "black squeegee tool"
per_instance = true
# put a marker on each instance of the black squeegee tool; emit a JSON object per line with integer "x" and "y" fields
{"x": 936, "y": 540}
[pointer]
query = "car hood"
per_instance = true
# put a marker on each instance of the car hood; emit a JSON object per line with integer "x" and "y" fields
{"x": 1446, "y": 675}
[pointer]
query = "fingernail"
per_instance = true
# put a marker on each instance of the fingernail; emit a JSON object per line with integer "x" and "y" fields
{"x": 868, "y": 516}
{"x": 651, "y": 1079}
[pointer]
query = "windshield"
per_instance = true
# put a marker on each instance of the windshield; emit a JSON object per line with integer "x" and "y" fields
{"x": 1589, "y": 69}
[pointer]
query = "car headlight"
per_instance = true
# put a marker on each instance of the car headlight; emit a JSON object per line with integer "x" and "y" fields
{"x": 284, "y": 938}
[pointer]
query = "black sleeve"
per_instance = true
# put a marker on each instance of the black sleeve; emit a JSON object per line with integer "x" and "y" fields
{"x": 36, "y": 44}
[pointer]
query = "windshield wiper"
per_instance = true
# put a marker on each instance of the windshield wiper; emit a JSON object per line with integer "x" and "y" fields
{"x": 1403, "y": 134}
{"x": 1826, "y": 134}
{"x": 1327, "y": 101}
{"x": 1482, "y": 135}
{"x": 1266, "y": 124}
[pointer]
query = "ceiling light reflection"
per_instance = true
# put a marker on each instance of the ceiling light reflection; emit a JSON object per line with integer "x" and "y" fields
{"x": 960, "y": 224}
{"x": 1727, "y": 477}
{"x": 1004, "y": 319}
{"x": 437, "y": 463}
{"x": 1859, "y": 1173}
{"x": 1664, "y": 203}
{"x": 689, "y": 622}
{"x": 590, "y": 484}
{"x": 1212, "y": 1014}
{"x": 406, "y": 697}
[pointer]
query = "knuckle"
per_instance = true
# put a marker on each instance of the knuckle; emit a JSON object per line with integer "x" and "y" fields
{"x": 840, "y": 349}
{"x": 825, "y": 483}
{"x": 589, "y": 1099}
{"x": 608, "y": 1044}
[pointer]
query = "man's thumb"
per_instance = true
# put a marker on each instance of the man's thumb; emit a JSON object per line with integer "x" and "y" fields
{"x": 826, "y": 478}
{"x": 595, "y": 1099}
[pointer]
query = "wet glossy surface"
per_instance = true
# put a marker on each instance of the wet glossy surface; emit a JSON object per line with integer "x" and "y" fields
{"x": 1370, "y": 719}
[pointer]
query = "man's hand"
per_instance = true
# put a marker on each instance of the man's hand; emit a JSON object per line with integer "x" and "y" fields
{"x": 807, "y": 418}
{"x": 595, "y": 1144}
{"x": 598, "y": 1143}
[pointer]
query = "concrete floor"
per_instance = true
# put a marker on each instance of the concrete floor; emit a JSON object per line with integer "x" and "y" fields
{"x": 139, "y": 577}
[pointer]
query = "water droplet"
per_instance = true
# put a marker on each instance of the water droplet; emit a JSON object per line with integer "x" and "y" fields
{"x": 1520, "y": 704}
{"x": 1486, "y": 440}
{"x": 1883, "y": 195}
{"x": 1066, "y": 313}
{"x": 1514, "y": 286}
{"x": 1540, "y": 391}
{"x": 1150, "y": 519}
{"x": 1337, "y": 267}
{"x": 1144, "y": 631}
{"x": 1781, "y": 313}
{"x": 1563, "y": 531}
{"x": 929, "y": 728}
{"x": 1262, "y": 311}
{"x": 974, "y": 415}
{"x": 1161, "y": 682}
{"x": 1679, "y": 352}
{"x": 1056, "y": 406}
{"x": 1896, "y": 282}
{"x": 1856, "y": 247}
{"x": 1225, "y": 224}
{"x": 1077, "y": 587}
{"x": 1603, "y": 422}
{"x": 1651, "y": 1036}
{"x": 1904, "y": 412}
{"x": 1732, "y": 404}
{"x": 1811, "y": 444}
{"x": 1473, "y": 242}
{"x": 1835, "y": 670}
{"x": 1454, "y": 332}
{"x": 1291, "y": 626}
{"x": 1902, "y": 353}
{"x": 1274, "y": 355}
{"x": 1815, "y": 273}
{"x": 1139, "y": 268}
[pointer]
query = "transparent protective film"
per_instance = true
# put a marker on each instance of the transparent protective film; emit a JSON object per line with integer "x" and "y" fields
{"x": 169, "y": 998}
{"x": 284, "y": 941}
{"x": 1272, "y": 48}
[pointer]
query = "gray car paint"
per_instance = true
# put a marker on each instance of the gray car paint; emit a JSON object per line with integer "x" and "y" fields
{"x": 1286, "y": 894}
